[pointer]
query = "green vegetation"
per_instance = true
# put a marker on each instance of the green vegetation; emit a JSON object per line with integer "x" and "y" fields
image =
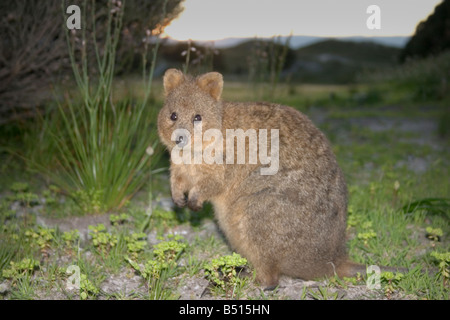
{"x": 398, "y": 216}
{"x": 224, "y": 272}
{"x": 416, "y": 80}
{"x": 91, "y": 146}
{"x": 390, "y": 282}
{"x": 161, "y": 267}
{"x": 86, "y": 186}
{"x": 21, "y": 269}
{"x": 87, "y": 289}
{"x": 444, "y": 262}
{"x": 102, "y": 240}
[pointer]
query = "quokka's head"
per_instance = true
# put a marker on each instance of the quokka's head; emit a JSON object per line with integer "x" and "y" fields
{"x": 189, "y": 101}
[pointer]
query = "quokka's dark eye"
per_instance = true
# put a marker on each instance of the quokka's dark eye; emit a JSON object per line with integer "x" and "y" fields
{"x": 173, "y": 116}
{"x": 198, "y": 117}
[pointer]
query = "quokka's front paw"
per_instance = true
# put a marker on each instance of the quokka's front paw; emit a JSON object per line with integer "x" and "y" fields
{"x": 194, "y": 204}
{"x": 179, "y": 201}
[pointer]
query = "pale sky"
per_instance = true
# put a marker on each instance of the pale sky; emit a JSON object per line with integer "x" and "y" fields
{"x": 218, "y": 19}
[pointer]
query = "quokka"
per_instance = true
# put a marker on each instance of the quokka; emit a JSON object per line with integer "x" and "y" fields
{"x": 289, "y": 223}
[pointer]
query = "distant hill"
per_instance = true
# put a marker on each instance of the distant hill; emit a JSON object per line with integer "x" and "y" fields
{"x": 334, "y": 61}
{"x": 328, "y": 61}
{"x": 238, "y": 60}
{"x": 303, "y": 41}
{"x": 324, "y": 61}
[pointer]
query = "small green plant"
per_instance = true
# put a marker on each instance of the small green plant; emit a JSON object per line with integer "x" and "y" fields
{"x": 18, "y": 270}
{"x": 344, "y": 282}
{"x": 390, "y": 282}
{"x": 152, "y": 269}
{"x": 89, "y": 200}
{"x": 353, "y": 280}
{"x": 163, "y": 266}
{"x": 71, "y": 237}
{"x": 117, "y": 219}
{"x": 103, "y": 241}
{"x": 434, "y": 234}
{"x": 41, "y": 237}
{"x": 54, "y": 189}
{"x": 136, "y": 243}
{"x": 223, "y": 271}
{"x": 87, "y": 289}
{"x": 23, "y": 195}
{"x": 20, "y": 187}
{"x": 443, "y": 259}
{"x": 373, "y": 188}
{"x": 354, "y": 218}
{"x": 49, "y": 198}
{"x": 168, "y": 218}
{"x": 169, "y": 251}
{"x": 50, "y": 194}
{"x": 396, "y": 191}
{"x": 27, "y": 198}
{"x": 368, "y": 233}
{"x": 323, "y": 293}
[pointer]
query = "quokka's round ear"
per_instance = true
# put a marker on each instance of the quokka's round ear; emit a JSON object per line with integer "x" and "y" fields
{"x": 211, "y": 83}
{"x": 172, "y": 79}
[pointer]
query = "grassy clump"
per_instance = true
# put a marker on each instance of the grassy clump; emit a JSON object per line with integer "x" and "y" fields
{"x": 161, "y": 267}
{"x": 24, "y": 268}
{"x": 223, "y": 272}
{"x": 443, "y": 259}
{"x": 417, "y": 80}
{"x": 98, "y": 151}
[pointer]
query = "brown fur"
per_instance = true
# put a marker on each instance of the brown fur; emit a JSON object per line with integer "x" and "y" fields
{"x": 290, "y": 223}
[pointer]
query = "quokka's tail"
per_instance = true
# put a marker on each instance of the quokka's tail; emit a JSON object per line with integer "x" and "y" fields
{"x": 351, "y": 269}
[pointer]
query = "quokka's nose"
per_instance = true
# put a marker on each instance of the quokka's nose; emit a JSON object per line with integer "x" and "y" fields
{"x": 181, "y": 141}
